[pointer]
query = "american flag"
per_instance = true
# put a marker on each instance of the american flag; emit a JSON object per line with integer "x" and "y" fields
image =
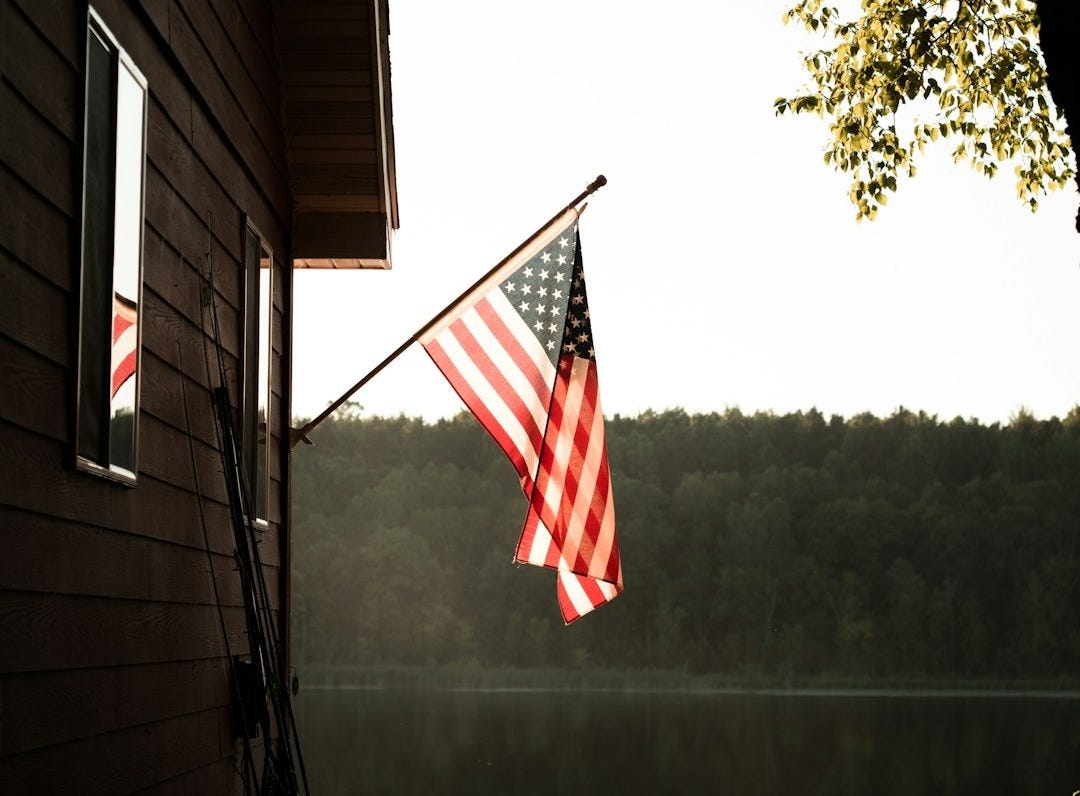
{"x": 518, "y": 349}
{"x": 125, "y": 338}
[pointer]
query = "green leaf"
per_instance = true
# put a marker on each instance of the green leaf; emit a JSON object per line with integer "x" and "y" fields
{"x": 977, "y": 58}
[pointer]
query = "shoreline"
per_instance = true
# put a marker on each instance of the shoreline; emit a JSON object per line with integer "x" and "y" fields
{"x": 322, "y": 677}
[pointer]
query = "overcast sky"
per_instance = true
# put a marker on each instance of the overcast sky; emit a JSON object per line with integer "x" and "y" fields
{"x": 724, "y": 264}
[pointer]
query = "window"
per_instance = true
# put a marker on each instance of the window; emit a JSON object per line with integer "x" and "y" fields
{"x": 114, "y": 145}
{"x": 258, "y": 349}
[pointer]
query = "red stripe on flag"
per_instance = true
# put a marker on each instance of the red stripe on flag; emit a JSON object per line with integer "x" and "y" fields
{"x": 546, "y": 420}
{"x": 584, "y": 440}
{"x": 498, "y": 382}
{"x": 120, "y": 325}
{"x": 477, "y": 407}
{"x": 510, "y": 343}
{"x": 124, "y": 371}
{"x": 552, "y": 558}
{"x": 125, "y": 368}
{"x": 566, "y": 606}
{"x": 592, "y": 592}
{"x": 558, "y": 481}
{"x": 525, "y": 540}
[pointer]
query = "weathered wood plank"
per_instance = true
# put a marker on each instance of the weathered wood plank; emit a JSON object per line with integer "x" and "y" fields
{"x": 259, "y": 62}
{"x": 184, "y": 575}
{"x": 191, "y": 52}
{"x": 264, "y": 119}
{"x": 323, "y": 171}
{"x": 164, "y": 326}
{"x": 342, "y": 35}
{"x": 45, "y": 708}
{"x": 296, "y": 59}
{"x": 171, "y": 95}
{"x": 34, "y": 394}
{"x": 40, "y": 479}
{"x": 42, "y": 554}
{"x": 157, "y": 11}
{"x": 218, "y": 777}
{"x": 165, "y": 454}
{"x": 176, "y": 167}
{"x": 259, "y": 16}
{"x": 35, "y": 151}
{"x": 59, "y": 23}
{"x": 274, "y": 505}
{"x": 266, "y": 202}
{"x": 175, "y": 289}
{"x": 184, "y": 324}
{"x": 162, "y": 394}
{"x": 314, "y": 10}
{"x": 40, "y": 73}
{"x": 337, "y": 204}
{"x": 336, "y": 120}
{"x": 167, "y": 88}
{"x": 163, "y": 402}
{"x": 34, "y": 312}
{"x": 197, "y": 228}
{"x": 352, "y": 80}
{"x": 331, "y": 185}
{"x": 118, "y": 762}
{"x": 34, "y": 231}
{"x": 330, "y": 116}
{"x": 300, "y": 157}
{"x": 331, "y": 141}
{"x": 44, "y": 632}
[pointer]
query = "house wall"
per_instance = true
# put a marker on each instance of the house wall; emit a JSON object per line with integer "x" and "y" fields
{"x": 112, "y": 670}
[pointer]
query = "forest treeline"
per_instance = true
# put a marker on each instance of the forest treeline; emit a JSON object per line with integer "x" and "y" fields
{"x": 786, "y": 547}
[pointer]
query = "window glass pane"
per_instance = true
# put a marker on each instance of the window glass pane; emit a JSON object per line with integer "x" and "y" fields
{"x": 262, "y": 474}
{"x": 96, "y": 285}
{"x": 258, "y": 354}
{"x": 127, "y": 259}
{"x": 111, "y": 264}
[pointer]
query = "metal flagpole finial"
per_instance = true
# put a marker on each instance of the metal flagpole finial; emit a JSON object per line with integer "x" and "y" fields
{"x": 590, "y": 189}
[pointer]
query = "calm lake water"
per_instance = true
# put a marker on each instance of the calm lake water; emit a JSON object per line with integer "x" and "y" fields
{"x": 742, "y": 744}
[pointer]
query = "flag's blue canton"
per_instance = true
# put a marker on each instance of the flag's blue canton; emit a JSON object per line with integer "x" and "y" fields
{"x": 578, "y": 338}
{"x": 541, "y": 289}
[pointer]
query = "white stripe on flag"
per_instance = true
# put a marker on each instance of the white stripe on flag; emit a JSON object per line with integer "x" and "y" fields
{"x": 541, "y": 545}
{"x": 124, "y": 345}
{"x": 606, "y": 538}
{"x": 502, "y": 360}
{"x": 491, "y": 399}
{"x": 578, "y": 598}
{"x": 597, "y": 477}
{"x": 582, "y": 499}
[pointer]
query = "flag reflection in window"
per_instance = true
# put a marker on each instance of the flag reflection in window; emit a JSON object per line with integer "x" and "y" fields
{"x": 114, "y": 147}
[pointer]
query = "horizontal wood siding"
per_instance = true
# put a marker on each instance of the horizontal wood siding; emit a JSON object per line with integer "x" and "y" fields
{"x": 118, "y": 605}
{"x": 126, "y": 760}
{"x": 328, "y": 92}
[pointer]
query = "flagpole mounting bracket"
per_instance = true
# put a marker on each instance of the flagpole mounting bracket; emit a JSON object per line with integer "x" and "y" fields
{"x": 298, "y": 435}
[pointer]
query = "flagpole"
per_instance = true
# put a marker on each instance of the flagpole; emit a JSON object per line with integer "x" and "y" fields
{"x": 301, "y": 434}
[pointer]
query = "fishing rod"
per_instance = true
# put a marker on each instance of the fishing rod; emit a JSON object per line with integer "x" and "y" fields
{"x": 265, "y": 645}
{"x": 248, "y": 761}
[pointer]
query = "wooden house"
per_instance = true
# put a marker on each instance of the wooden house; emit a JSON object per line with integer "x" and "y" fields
{"x": 164, "y": 166}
